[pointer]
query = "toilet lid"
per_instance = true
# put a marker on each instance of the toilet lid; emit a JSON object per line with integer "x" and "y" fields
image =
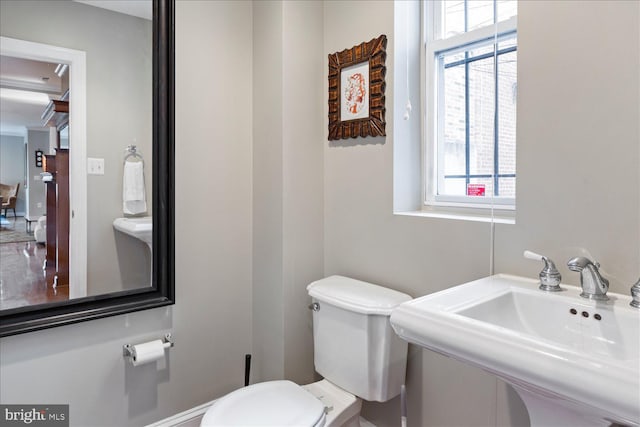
{"x": 272, "y": 403}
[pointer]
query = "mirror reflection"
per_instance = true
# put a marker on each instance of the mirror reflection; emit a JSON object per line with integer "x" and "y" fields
{"x": 75, "y": 150}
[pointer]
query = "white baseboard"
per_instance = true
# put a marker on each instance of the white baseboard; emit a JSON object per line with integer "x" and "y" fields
{"x": 189, "y": 418}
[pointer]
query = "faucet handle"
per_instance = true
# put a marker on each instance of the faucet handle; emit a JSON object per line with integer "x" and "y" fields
{"x": 549, "y": 276}
{"x": 635, "y": 295}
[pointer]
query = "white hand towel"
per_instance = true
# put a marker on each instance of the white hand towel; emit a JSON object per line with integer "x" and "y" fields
{"x": 133, "y": 196}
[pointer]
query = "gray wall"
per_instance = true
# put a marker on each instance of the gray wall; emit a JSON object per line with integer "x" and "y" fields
{"x": 82, "y": 364}
{"x": 267, "y": 186}
{"x": 303, "y": 213}
{"x": 287, "y": 184}
{"x": 578, "y": 140}
{"x": 12, "y": 170}
{"x": 223, "y": 248}
{"x": 118, "y": 49}
{"x": 36, "y": 140}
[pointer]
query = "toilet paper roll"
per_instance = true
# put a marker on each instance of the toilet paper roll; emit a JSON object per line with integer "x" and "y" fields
{"x": 148, "y": 352}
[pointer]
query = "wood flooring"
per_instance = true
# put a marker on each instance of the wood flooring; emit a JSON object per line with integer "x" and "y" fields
{"x": 22, "y": 279}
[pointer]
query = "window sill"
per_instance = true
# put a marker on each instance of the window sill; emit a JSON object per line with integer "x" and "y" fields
{"x": 475, "y": 215}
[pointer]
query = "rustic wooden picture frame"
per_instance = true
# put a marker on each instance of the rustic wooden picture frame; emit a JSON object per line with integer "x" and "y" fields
{"x": 374, "y": 54}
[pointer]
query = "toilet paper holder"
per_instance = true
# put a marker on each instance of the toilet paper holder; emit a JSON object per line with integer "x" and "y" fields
{"x": 127, "y": 349}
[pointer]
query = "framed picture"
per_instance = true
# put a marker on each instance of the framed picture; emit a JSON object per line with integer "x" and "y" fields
{"x": 356, "y": 90}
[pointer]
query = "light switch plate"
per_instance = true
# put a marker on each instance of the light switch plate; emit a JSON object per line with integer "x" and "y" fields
{"x": 95, "y": 166}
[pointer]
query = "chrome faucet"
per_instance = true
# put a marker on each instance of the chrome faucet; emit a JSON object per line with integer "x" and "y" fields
{"x": 594, "y": 286}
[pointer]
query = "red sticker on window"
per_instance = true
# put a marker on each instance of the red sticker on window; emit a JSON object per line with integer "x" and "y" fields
{"x": 475, "y": 189}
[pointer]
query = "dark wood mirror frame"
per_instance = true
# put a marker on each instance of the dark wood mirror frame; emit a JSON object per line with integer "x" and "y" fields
{"x": 32, "y": 318}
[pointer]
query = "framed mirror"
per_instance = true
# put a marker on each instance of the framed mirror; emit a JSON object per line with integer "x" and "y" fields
{"x": 87, "y": 297}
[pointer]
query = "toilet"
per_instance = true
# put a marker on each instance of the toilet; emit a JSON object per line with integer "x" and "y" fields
{"x": 355, "y": 350}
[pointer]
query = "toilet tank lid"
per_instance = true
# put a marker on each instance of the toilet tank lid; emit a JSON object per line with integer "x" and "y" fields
{"x": 356, "y": 295}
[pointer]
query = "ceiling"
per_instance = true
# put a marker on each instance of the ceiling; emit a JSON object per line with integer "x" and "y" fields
{"x": 20, "y": 78}
{"x": 140, "y": 8}
{"x": 17, "y": 115}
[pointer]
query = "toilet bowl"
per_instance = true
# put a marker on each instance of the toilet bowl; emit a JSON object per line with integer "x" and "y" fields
{"x": 284, "y": 403}
{"x": 272, "y": 403}
{"x": 356, "y": 351}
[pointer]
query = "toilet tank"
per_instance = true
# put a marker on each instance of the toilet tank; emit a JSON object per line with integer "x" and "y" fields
{"x": 355, "y": 347}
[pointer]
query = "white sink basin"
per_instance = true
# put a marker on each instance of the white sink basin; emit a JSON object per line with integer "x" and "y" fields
{"x": 572, "y": 360}
{"x": 140, "y": 228}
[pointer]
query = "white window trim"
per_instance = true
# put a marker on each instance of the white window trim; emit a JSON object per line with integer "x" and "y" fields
{"x": 454, "y": 205}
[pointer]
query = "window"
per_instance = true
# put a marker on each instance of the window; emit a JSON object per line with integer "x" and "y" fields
{"x": 471, "y": 84}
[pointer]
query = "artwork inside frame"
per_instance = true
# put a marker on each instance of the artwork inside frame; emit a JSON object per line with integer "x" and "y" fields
{"x": 356, "y": 90}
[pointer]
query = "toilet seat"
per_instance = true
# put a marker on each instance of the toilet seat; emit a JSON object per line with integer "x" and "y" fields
{"x": 271, "y": 403}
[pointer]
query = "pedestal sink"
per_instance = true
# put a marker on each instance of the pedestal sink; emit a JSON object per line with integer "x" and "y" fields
{"x": 574, "y": 362}
{"x": 140, "y": 228}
